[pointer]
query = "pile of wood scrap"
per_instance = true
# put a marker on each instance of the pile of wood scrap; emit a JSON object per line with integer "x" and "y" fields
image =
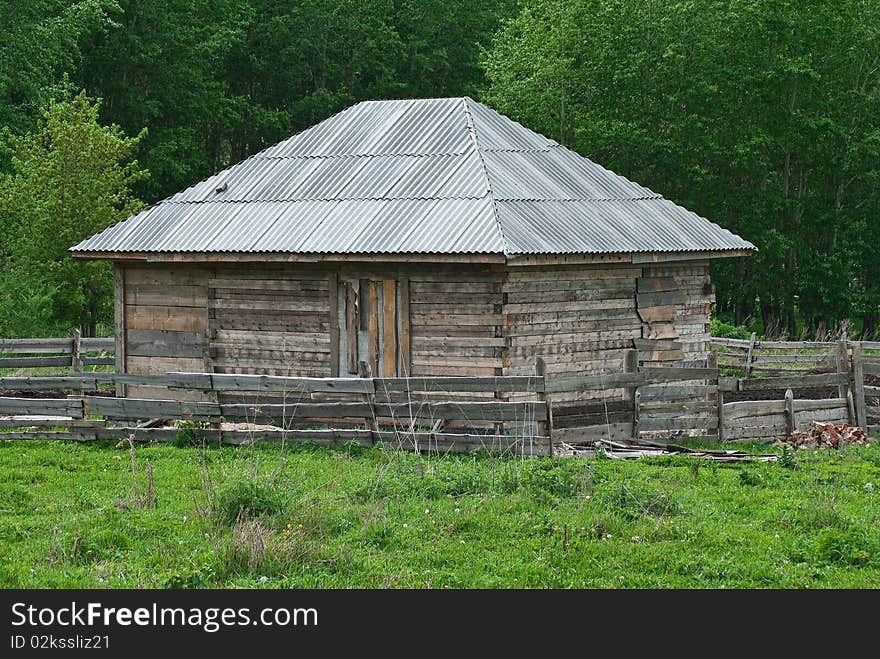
{"x": 828, "y": 435}
{"x": 643, "y": 449}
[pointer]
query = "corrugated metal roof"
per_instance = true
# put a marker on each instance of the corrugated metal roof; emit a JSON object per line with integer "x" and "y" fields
{"x": 441, "y": 176}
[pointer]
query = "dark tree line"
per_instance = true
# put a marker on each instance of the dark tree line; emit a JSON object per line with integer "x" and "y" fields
{"x": 762, "y": 115}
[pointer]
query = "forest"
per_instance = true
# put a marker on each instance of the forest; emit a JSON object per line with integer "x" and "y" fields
{"x": 761, "y": 115}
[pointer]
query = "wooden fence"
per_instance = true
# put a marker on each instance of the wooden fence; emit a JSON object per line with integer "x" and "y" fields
{"x": 454, "y": 414}
{"x": 751, "y": 357}
{"x": 457, "y": 414}
{"x": 74, "y": 353}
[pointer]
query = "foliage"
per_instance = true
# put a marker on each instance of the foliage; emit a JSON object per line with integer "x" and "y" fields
{"x": 71, "y": 177}
{"x": 788, "y": 457}
{"x": 41, "y": 40}
{"x": 325, "y": 518}
{"x": 761, "y": 116}
{"x": 719, "y": 328}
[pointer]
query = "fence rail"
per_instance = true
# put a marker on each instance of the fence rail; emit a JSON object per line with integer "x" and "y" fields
{"x": 75, "y": 352}
{"x": 521, "y": 414}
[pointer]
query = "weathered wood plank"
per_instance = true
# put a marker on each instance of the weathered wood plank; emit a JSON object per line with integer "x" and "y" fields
{"x": 71, "y": 407}
{"x": 656, "y": 344}
{"x": 822, "y": 404}
{"x": 464, "y": 411}
{"x": 678, "y": 407}
{"x": 165, "y": 294}
{"x": 36, "y": 346}
{"x": 333, "y": 320}
{"x": 162, "y": 365}
{"x": 791, "y": 359}
{"x": 499, "y": 383}
{"x": 403, "y": 327}
{"x": 352, "y": 291}
{"x": 681, "y": 422}
{"x": 179, "y": 319}
{"x": 796, "y": 382}
{"x": 612, "y": 431}
{"x": 661, "y": 314}
{"x": 656, "y": 284}
{"x": 33, "y": 362}
{"x": 660, "y": 299}
{"x": 236, "y": 382}
{"x": 601, "y": 381}
{"x": 871, "y": 368}
{"x": 669, "y": 374}
{"x": 98, "y": 344}
{"x": 164, "y": 343}
{"x": 389, "y": 328}
{"x": 774, "y": 431}
{"x": 676, "y": 392}
{"x": 139, "y": 408}
{"x": 373, "y": 326}
{"x": 752, "y": 409}
{"x": 98, "y": 361}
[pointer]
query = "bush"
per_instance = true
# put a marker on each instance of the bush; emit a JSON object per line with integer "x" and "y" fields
{"x": 719, "y": 328}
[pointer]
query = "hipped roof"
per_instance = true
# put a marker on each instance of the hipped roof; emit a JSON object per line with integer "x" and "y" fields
{"x": 427, "y": 176}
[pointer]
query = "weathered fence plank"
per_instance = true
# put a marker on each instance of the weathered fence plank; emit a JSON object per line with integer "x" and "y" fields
{"x": 69, "y": 407}
{"x": 796, "y": 382}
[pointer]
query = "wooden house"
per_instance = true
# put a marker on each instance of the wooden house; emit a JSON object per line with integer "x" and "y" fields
{"x": 412, "y": 237}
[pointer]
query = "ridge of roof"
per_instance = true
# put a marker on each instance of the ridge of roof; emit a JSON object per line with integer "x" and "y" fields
{"x": 472, "y": 129}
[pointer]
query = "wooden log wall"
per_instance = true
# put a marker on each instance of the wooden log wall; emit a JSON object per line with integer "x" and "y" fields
{"x": 581, "y": 319}
{"x": 456, "y": 321}
{"x": 674, "y": 302}
{"x": 269, "y": 319}
{"x": 165, "y": 317}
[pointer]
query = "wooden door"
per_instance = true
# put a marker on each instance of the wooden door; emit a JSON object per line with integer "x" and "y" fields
{"x": 373, "y": 338}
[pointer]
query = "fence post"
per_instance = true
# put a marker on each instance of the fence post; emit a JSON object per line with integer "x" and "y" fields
{"x": 631, "y": 365}
{"x": 76, "y": 360}
{"x": 859, "y": 385}
{"x": 712, "y": 362}
{"x": 789, "y": 413}
{"x": 365, "y": 370}
{"x": 842, "y": 359}
{"x": 544, "y": 427}
{"x": 747, "y": 371}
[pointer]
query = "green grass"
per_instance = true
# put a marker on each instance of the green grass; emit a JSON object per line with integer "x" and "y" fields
{"x": 311, "y": 517}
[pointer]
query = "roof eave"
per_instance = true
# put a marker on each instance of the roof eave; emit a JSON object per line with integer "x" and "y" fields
{"x": 283, "y": 257}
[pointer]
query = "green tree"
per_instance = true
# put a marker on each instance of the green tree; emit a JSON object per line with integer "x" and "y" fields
{"x": 41, "y": 40}
{"x": 71, "y": 178}
{"x": 763, "y": 116}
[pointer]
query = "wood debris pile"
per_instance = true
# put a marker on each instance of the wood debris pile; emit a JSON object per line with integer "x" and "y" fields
{"x": 827, "y": 435}
{"x": 633, "y": 449}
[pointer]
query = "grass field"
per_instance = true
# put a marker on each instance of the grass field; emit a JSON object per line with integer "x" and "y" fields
{"x": 70, "y": 516}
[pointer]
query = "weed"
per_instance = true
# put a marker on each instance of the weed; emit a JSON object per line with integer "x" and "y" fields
{"x": 847, "y": 547}
{"x": 256, "y": 548}
{"x": 750, "y": 478}
{"x": 636, "y": 499}
{"x": 239, "y": 498}
{"x": 788, "y": 457}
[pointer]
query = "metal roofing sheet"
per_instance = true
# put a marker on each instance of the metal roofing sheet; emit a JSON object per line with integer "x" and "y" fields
{"x": 434, "y": 176}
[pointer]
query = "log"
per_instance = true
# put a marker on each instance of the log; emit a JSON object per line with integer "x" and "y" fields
{"x": 68, "y": 407}
{"x": 795, "y": 382}
{"x": 648, "y": 423}
{"x": 35, "y": 346}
